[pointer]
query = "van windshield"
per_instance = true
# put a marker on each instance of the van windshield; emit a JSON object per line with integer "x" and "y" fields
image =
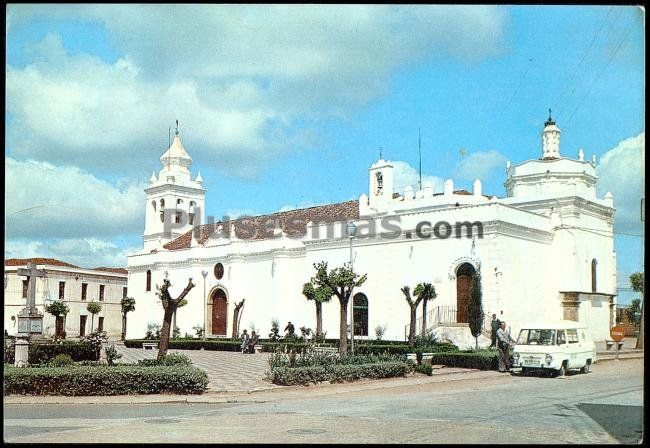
{"x": 536, "y": 337}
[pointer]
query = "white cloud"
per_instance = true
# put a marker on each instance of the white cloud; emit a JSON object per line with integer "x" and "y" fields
{"x": 404, "y": 175}
{"x": 83, "y": 252}
{"x": 238, "y": 77}
{"x": 621, "y": 171}
{"x": 47, "y": 201}
{"x": 480, "y": 165}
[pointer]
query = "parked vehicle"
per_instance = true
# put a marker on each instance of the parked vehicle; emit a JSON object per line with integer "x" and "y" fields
{"x": 554, "y": 347}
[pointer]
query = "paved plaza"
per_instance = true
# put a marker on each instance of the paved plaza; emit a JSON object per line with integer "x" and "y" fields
{"x": 227, "y": 371}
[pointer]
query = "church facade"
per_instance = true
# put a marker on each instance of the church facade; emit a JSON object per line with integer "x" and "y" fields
{"x": 544, "y": 251}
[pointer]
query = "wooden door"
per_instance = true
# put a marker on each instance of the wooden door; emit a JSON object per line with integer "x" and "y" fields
{"x": 82, "y": 325}
{"x": 463, "y": 291}
{"x": 219, "y": 313}
{"x": 59, "y": 326}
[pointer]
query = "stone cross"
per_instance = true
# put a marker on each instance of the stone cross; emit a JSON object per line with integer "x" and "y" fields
{"x": 31, "y": 272}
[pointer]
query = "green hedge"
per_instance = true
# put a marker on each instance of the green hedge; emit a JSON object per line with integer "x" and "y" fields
{"x": 104, "y": 380}
{"x": 77, "y": 350}
{"x": 469, "y": 360}
{"x": 288, "y": 376}
{"x": 191, "y": 344}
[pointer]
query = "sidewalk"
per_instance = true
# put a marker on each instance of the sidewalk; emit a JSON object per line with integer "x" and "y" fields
{"x": 626, "y": 352}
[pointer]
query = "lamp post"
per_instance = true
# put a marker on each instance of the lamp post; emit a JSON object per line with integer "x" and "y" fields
{"x": 352, "y": 230}
{"x": 205, "y": 308}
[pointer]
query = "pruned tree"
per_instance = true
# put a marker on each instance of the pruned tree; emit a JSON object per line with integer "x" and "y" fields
{"x": 413, "y": 305}
{"x": 58, "y": 308}
{"x": 93, "y": 308}
{"x": 235, "y": 319}
{"x": 638, "y": 285}
{"x": 428, "y": 292}
{"x": 169, "y": 305}
{"x": 341, "y": 281}
{"x": 128, "y": 305}
{"x": 320, "y": 295}
{"x": 475, "y": 308}
{"x": 175, "y": 330}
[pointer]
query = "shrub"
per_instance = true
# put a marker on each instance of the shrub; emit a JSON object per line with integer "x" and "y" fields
{"x": 393, "y": 349}
{"x": 40, "y": 353}
{"x": 424, "y": 368}
{"x": 10, "y": 351}
{"x": 171, "y": 359}
{"x": 288, "y": 376}
{"x": 61, "y": 360}
{"x": 105, "y": 380}
{"x": 274, "y": 335}
{"x": 483, "y": 360}
{"x": 112, "y": 355}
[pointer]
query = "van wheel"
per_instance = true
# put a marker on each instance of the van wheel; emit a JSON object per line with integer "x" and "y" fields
{"x": 587, "y": 367}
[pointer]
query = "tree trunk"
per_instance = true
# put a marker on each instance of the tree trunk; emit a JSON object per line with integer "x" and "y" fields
{"x": 123, "y": 326}
{"x": 424, "y": 317}
{"x": 92, "y": 321}
{"x": 319, "y": 317}
{"x": 414, "y": 308}
{"x": 163, "y": 345}
{"x": 639, "y": 339}
{"x": 235, "y": 324}
{"x": 343, "y": 328}
{"x": 174, "y": 326}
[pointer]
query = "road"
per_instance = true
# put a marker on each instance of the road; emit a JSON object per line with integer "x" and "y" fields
{"x": 604, "y": 406}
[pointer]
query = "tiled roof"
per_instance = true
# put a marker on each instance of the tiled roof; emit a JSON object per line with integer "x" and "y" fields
{"x": 55, "y": 262}
{"x": 47, "y": 261}
{"x": 293, "y": 222}
{"x": 114, "y": 270}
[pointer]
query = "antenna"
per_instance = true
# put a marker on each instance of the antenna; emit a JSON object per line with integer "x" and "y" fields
{"x": 420, "y": 157}
{"x": 169, "y": 137}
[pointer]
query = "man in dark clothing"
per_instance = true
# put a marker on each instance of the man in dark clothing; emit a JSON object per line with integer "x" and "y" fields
{"x": 253, "y": 341}
{"x": 289, "y": 330}
{"x": 495, "y": 326}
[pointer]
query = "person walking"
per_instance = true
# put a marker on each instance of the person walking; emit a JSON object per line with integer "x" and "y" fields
{"x": 244, "y": 341}
{"x": 289, "y": 329}
{"x": 495, "y": 326}
{"x": 504, "y": 339}
{"x": 254, "y": 340}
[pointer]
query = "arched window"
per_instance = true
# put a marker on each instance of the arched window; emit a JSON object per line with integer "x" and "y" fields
{"x": 148, "y": 281}
{"x": 594, "y": 265}
{"x": 179, "y": 201}
{"x": 162, "y": 204}
{"x": 153, "y": 204}
{"x": 162, "y": 216}
{"x": 191, "y": 217}
{"x": 360, "y": 310}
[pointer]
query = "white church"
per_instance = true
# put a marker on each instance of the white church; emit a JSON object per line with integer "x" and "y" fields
{"x": 545, "y": 251}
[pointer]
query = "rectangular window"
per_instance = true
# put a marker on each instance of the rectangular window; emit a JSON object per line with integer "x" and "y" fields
{"x": 82, "y": 325}
{"x": 61, "y": 290}
{"x": 25, "y": 286}
{"x": 84, "y": 291}
{"x": 101, "y": 293}
{"x": 124, "y": 292}
{"x": 572, "y": 336}
{"x": 100, "y": 325}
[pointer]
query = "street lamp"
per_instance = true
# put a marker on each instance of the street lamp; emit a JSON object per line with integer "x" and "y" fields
{"x": 205, "y": 307}
{"x": 352, "y": 230}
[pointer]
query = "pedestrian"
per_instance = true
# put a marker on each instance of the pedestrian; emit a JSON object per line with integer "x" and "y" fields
{"x": 244, "y": 341}
{"x": 289, "y": 329}
{"x": 495, "y": 327}
{"x": 253, "y": 342}
{"x": 504, "y": 340}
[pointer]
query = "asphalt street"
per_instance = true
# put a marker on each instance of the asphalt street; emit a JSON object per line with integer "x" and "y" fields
{"x": 604, "y": 406}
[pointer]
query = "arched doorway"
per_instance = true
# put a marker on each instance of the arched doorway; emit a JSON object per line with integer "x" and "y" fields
{"x": 464, "y": 276}
{"x": 219, "y": 302}
{"x": 360, "y": 310}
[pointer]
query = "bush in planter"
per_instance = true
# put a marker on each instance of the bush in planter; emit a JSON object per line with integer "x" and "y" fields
{"x": 424, "y": 368}
{"x": 104, "y": 380}
{"x": 40, "y": 353}
{"x": 336, "y": 373}
{"x": 483, "y": 360}
{"x": 170, "y": 359}
{"x": 61, "y": 360}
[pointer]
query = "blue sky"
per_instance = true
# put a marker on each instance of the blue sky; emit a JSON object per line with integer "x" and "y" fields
{"x": 284, "y": 106}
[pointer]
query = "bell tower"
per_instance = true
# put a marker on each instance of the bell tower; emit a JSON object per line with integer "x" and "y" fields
{"x": 381, "y": 183}
{"x": 550, "y": 139}
{"x": 175, "y": 202}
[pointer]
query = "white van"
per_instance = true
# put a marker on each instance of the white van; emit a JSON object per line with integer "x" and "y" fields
{"x": 554, "y": 346}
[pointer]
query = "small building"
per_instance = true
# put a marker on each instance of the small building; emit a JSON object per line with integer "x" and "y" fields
{"x": 73, "y": 285}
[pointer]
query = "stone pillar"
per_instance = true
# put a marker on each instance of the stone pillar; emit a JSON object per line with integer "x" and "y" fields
{"x": 571, "y": 306}
{"x": 21, "y": 355}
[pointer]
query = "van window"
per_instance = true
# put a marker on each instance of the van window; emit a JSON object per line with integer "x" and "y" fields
{"x": 561, "y": 338}
{"x": 536, "y": 337}
{"x": 572, "y": 336}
